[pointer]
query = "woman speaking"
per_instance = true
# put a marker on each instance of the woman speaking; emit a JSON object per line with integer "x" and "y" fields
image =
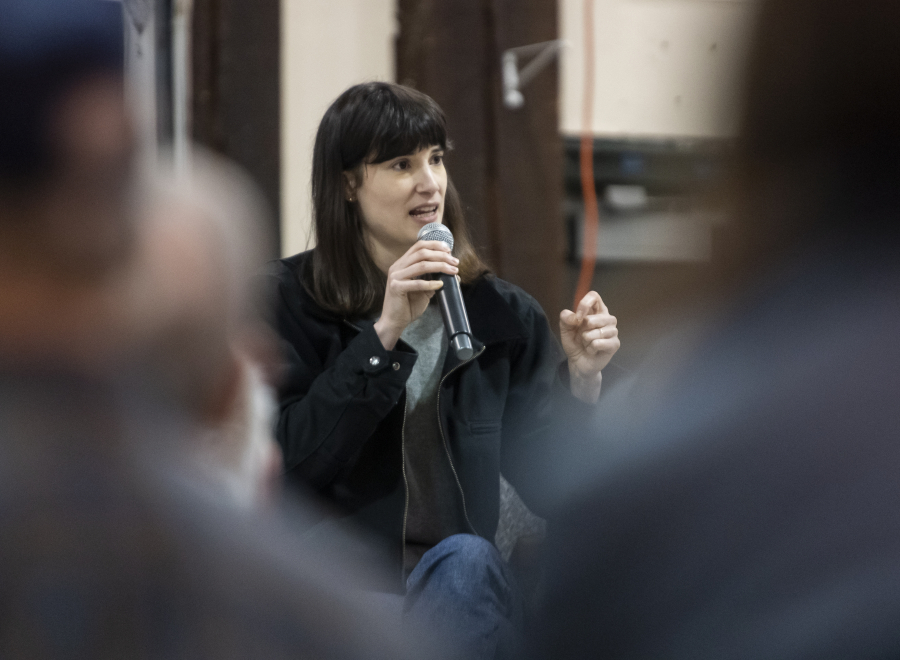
{"x": 376, "y": 415}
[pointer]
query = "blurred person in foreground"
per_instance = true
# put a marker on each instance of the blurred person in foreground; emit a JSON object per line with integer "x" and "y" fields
{"x": 748, "y": 499}
{"x": 110, "y": 548}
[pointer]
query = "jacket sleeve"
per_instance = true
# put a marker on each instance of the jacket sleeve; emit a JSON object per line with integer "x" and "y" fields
{"x": 330, "y": 405}
{"x": 540, "y": 413}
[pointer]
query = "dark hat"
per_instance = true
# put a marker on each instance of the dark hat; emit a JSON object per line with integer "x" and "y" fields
{"x": 46, "y": 46}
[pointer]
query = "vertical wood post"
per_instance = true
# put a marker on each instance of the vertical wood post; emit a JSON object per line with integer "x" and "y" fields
{"x": 236, "y": 109}
{"x": 507, "y": 164}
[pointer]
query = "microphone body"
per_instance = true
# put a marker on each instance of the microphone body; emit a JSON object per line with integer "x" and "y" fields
{"x": 453, "y": 311}
{"x": 456, "y": 321}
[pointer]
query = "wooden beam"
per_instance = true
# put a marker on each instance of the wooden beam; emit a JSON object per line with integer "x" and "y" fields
{"x": 236, "y": 88}
{"x": 441, "y": 50}
{"x": 530, "y": 160}
{"x": 506, "y": 164}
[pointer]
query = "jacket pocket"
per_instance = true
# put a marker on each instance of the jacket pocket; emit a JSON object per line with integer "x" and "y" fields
{"x": 483, "y": 427}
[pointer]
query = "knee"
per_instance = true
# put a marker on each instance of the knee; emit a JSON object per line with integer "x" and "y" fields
{"x": 462, "y": 558}
{"x": 470, "y": 549}
{"x": 462, "y": 569}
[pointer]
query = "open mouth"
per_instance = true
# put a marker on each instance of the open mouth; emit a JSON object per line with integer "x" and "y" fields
{"x": 424, "y": 211}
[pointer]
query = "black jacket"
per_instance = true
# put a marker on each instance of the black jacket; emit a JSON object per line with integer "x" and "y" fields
{"x": 342, "y": 403}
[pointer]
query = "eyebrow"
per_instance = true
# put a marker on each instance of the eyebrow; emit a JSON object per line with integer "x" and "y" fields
{"x": 409, "y": 155}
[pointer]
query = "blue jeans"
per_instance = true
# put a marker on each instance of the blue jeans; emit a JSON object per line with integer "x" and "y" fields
{"x": 463, "y": 588}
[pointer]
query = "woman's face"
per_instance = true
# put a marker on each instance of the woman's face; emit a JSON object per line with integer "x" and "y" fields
{"x": 397, "y": 198}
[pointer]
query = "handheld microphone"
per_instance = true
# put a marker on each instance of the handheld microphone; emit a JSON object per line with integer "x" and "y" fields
{"x": 456, "y": 322}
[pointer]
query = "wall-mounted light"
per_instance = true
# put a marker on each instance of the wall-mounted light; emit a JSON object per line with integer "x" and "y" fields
{"x": 514, "y": 79}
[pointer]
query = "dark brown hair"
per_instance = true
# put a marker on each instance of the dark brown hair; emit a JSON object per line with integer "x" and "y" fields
{"x": 370, "y": 123}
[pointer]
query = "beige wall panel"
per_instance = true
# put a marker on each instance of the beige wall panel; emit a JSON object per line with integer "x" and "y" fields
{"x": 327, "y": 45}
{"x": 663, "y": 67}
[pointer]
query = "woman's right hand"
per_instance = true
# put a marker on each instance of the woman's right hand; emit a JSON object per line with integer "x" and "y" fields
{"x": 406, "y": 296}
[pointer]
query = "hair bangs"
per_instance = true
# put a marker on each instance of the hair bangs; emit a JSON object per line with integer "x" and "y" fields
{"x": 406, "y": 124}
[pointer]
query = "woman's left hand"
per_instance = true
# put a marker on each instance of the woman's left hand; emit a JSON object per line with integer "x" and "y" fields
{"x": 590, "y": 339}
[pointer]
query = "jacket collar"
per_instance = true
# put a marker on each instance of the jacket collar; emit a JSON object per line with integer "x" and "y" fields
{"x": 492, "y": 319}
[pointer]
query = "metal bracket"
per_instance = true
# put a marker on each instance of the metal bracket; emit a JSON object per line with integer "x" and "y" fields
{"x": 139, "y": 11}
{"x": 514, "y": 79}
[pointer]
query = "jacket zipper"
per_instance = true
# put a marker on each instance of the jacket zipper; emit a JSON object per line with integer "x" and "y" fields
{"x": 405, "y": 490}
{"x": 447, "y": 447}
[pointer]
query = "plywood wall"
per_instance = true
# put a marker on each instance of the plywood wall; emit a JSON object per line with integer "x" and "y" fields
{"x": 327, "y": 45}
{"x": 662, "y": 67}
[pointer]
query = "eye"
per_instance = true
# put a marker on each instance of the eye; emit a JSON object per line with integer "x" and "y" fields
{"x": 400, "y": 165}
{"x": 437, "y": 158}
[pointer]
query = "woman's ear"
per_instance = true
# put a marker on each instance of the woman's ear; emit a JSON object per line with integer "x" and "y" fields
{"x": 350, "y": 186}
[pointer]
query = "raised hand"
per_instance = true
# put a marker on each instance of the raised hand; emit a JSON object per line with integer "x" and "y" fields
{"x": 590, "y": 339}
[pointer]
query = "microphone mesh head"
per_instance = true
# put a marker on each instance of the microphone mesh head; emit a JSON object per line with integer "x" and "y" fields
{"x": 435, "y": 231}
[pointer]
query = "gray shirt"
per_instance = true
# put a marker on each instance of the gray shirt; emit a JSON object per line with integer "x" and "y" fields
{"x": 435, "y": 502}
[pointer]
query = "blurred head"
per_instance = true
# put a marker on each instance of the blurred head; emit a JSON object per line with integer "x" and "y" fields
{"x": 377, "y": 159}
{"x": 203, "y": 237}
{"x": 67, "y": 228}
{"x": 194, "y": 297}
{"x": 65, "y": 143}
{"x": 820, "y": 146}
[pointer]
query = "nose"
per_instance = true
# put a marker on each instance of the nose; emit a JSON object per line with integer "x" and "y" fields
{"x": 427, "y": 181}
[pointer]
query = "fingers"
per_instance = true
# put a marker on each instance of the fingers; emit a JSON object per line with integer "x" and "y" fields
{"x": 607, "y": 346}
{"x": 591, "y": 333}
{"x": 600, "y": 340}
{"x": 404, "y": 287}
{"x": 604, "y": 332}
{"x": 568, "y": 318}
{"x": 422, "y": 258}
{"x": 407, "y": 293}
{"x": 426, "y": 250}
{"x": 421, "y": 268}
{"x": 431, "y": 245}
{"x": 592, "y": 303}
{"x": 598, "y": 332}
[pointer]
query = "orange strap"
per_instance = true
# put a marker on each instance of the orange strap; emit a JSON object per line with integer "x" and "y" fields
{"x": 588, "y": 188}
